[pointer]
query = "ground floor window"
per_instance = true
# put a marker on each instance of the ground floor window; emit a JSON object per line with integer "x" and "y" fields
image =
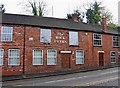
{"x": 1, "y": 56}
{"x": 37, "y": 57}
{"x": 79, "y": 57}
{"x": 13, "y": 57}
{"x": 113, "y": 56}
{"x": 51, "y": 56}
{"x": 118, "y": 55}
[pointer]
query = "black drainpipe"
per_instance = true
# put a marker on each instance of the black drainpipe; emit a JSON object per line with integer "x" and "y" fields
{"x": 24, "y": 51}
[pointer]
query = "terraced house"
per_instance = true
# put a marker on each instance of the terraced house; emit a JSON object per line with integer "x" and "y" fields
{"x": 34, "y": 45}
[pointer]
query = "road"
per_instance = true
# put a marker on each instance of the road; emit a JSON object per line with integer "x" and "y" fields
{"x": 106, "y": 77}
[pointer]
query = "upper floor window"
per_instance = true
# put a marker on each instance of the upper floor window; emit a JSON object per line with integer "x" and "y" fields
{"x": 51, "y": 56}
{"x": 79, "y": 57}
{"x": 97, "y": 38}
{"x": 13, "y": 57}
{"x": 45, "y": 35}
{"x": 1, "y": 56}
{"x": 6, "y": 33}
{"x": 113, "y": 56}
{"x": 115, "y": 41}
{"x": 37, "y": 57}
{"x": 73, "y": 38}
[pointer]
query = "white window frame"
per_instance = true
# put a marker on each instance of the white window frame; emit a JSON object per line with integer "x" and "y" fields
{"x": 53, "y": 56}
{"x": 118, "y": 55}
{"x": 70, "y": 40}
{"x": 1, "y": 57}
{"x": 80, "y": 57}
{"x": 38, "y": 57}
{"x": 97, "y": 39}
{"x": 112, "y": 57}
{"x": 5, "y": 27}
{"x": 41, "y": 39}
{"x": 114, "y": 41}
{"x": 13, "y": 64}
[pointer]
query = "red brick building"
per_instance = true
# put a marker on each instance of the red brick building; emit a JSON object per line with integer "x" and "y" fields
{"x": 33, "y": 45}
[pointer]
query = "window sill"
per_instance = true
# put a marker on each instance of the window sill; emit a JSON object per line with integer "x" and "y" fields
{"x": 113, "y": 62}
{"x": 97, "y": 46}
{"x": 6, "y": 41}
{"x": 115, "y": 46}
{"x": 51, "y": 64}
{"x": 13, "y": 65}
{"x": 80, "y": 64}
{"x": 38, "y": 65}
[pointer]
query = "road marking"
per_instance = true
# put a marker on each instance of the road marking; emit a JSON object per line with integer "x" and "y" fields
{"x": 61, "y": 80}
{"x": 80, "y": 77}
{"x": 19, "y": 85}
{"x": 98, "y": 82}
{"x": 109, "y": 72}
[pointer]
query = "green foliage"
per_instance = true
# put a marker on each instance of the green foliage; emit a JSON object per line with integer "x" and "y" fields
{"x": 112, "y": 25}
{"x": 93, "y": 14}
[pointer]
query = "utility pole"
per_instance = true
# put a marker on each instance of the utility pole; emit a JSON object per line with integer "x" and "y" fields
{"x": 52, "y": 11}
{"x": 52, "y": 8}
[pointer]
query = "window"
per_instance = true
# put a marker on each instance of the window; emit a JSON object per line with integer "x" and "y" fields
{"x": 6, "y": 33}
{"x": 37, "y": 57}
{"x": 1, "y": 56}
{"x": 79, "y": 57}
{"x": 118, "y": 55}
{"x": 13, "y": 57}
{"x": 45, "y": 35}
{"x": 113, "y": 56}
{"x": 73, "y": 38}
{"x": 51, "y": 57}
{"x": 115, "y": 41}
{"x": 97, "y": 39}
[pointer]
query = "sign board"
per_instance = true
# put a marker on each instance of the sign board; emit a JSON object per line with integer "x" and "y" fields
{"x": 65, "y": 52}
{"x": 100, "y": 51}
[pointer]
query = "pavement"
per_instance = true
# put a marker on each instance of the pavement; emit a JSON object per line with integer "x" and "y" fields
{"x": 106, "y": 78}
{"x": 46, "y": 74}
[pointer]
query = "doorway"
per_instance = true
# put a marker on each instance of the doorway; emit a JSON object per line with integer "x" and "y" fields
{"x": 101, "y": 59}
{"x": 65, "y": 61}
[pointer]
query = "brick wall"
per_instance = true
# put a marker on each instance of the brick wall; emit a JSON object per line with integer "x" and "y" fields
{"x": 17, "y": 43}
{"x": 32, "y": 41}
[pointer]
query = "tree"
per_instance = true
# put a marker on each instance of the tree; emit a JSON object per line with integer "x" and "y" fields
{"x": 36, "y": 8}
{"x": 78, "y": 13}
{"x": 93, "y": 14}
{"x": 112, "y": 25}
{"x": 96, "y": 11}
{"x": 2, "y": 9}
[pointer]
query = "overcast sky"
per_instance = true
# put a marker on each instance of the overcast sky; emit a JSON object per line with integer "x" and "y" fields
{"x": 60, "y": 7}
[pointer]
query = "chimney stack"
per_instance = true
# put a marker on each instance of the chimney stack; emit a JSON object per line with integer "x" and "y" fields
{"x": 104, "y": 25}
{"x": 75, "y": 18}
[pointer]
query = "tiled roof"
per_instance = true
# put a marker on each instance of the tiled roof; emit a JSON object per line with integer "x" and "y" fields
{"x": 52, "y": 22}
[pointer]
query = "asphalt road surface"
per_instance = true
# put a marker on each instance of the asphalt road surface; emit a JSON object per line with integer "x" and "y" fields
{"x": 106, "y": 77}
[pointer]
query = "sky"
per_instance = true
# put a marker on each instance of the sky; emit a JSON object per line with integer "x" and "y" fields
{"x": 60, "y": 7}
